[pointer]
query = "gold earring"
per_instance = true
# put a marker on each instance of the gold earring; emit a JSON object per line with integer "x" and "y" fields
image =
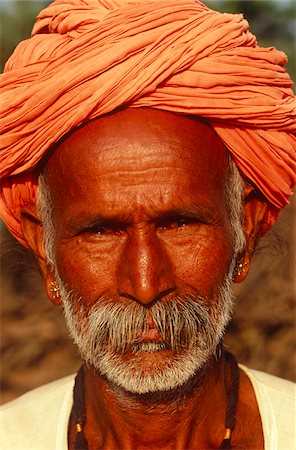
{"x": 240, "y": 267}
{"x": 55, "y": 290}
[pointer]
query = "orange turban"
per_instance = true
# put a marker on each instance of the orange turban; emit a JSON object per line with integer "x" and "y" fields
{"x": 87, "y": 57}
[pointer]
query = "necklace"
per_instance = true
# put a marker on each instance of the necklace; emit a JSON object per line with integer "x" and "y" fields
{"x": 78, "y": 413}
{"x": 231, "y": 388}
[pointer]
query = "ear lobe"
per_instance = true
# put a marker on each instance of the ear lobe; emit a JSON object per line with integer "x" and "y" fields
{"x": 33, "y": 233}
{"x": 52, "y": 289}
{"x": 255, "y": 209}
{"x": 242, "y": 268}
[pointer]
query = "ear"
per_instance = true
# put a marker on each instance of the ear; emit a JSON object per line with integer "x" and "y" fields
{"x": 255, "y": 208}
{"x": 32, "y": 230}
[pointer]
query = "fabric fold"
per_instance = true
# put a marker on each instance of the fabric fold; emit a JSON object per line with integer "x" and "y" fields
{"x": 88, "y": 57}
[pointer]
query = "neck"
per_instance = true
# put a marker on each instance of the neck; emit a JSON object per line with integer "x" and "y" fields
{"x": 192, "y": 416}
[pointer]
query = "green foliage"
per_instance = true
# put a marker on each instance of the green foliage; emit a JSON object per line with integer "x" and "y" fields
{"x": 16, "y": 20}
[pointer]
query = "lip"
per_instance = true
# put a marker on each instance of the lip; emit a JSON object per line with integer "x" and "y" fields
{"x": 151, "y": 335}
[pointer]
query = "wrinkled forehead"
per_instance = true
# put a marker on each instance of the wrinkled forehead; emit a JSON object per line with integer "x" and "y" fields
{"x": 138, "y": 139}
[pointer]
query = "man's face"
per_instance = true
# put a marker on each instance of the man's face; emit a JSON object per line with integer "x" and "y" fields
{"x": 141, "y": 222}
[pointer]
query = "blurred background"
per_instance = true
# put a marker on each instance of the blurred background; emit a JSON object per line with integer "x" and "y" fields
{"x": 34, "y": 344}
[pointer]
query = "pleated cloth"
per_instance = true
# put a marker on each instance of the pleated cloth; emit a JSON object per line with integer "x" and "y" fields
{"x": 88, "y": 57}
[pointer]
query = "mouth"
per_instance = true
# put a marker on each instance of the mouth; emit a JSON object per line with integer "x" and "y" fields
{"x": 149, "y": 347}
{"x": 150, "y": 341}
{"x": 151, "y": 335}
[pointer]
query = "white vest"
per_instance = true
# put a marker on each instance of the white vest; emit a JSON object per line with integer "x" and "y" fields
{"x": 39, "y": 419}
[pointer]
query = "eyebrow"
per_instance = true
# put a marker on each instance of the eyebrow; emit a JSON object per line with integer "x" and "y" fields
{"x": 77, "y": 224}
{"x": 203, "y": 212}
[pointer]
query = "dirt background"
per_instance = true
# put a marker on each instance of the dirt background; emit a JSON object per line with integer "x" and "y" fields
{"x": 35, "y": 347}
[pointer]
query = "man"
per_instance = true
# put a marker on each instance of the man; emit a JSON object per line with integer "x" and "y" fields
{"x": 124, "y": 128}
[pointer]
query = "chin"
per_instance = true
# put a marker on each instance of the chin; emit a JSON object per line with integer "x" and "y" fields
{"x": 147, "y": 371}
{"x": 188, "y": 333}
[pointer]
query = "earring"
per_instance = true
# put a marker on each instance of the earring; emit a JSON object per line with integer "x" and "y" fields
{"x": 240, "y": 266}
{"x": 55, "y": 290}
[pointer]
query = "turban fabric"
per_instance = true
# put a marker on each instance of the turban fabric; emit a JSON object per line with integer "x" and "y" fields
{"x": 88, "y": 57}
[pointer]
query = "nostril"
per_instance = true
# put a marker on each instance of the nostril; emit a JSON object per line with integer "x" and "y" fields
{"x": 164, "y": 293}
{"x": 148, "y": 301}
{"x": 129, "y": 296}
{"x": 145, "y": 274}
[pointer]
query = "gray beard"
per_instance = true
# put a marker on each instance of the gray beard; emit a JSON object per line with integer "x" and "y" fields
{"x": 109, "y": 337}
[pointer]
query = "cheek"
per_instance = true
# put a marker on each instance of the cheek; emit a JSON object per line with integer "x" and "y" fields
{"x": 202, "y": 262}
{"x": 88, "y": 272}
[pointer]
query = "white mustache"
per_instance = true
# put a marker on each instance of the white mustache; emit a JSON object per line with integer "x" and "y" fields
{"x": 120, "y": 324}
{"x": 114, "y": 328}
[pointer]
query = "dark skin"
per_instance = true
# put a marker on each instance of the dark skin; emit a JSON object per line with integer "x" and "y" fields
{"x": 148, "y": 221}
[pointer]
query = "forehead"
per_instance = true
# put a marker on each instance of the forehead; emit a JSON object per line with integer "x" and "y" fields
{"x": 134, "y": 151}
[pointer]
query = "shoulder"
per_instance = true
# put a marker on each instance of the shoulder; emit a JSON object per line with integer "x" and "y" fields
{"x": 276, "y": 400}
{"x": 40, "y": 396}
{"x": 274, "y": 386}
{"x": 34, "y": 419}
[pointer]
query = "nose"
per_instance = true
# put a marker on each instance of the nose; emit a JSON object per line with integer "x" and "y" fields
{"x": 145, "y": 273}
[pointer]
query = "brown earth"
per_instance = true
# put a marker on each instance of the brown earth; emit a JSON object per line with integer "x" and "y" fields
{"x": 35, "y": 347}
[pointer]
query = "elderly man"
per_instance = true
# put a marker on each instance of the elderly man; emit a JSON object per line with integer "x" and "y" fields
{"x": 146, "y": 147}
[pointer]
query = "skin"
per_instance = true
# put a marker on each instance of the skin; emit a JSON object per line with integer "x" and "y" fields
{"x": 148, "y": 221}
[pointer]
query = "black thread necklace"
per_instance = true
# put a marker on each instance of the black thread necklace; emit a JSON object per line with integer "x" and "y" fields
{"x": 78, "y": 413}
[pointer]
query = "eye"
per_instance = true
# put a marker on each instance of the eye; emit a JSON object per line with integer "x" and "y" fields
{"x": 183, "y": 222}
{"x": 101, "y": 230}
{"x": 175, "y": 223}
{"x": 98, "y": 230}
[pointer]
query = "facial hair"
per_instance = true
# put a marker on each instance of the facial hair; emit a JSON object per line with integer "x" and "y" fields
{"x": 109, "y": 337}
